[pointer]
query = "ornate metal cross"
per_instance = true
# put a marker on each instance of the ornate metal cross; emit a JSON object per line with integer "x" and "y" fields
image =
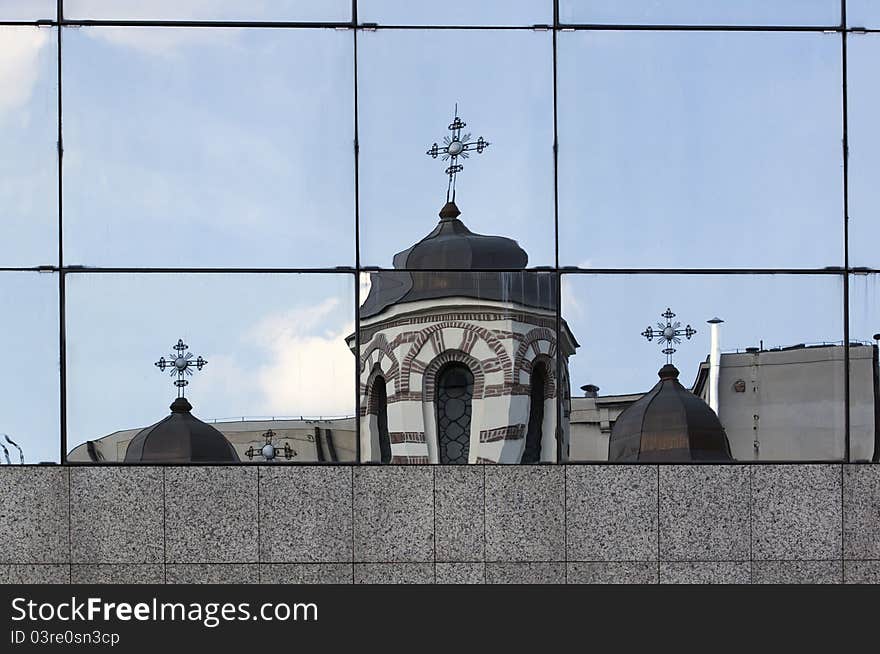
{"x": 180, "y": 365}
{"x": 668, "y": 334}
{"x": 270, "y": 451}
{"x": 455, "y": 147}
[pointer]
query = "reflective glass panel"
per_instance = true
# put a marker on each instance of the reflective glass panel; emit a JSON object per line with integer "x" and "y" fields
{"x": 864, "y": 398}
{"x": 236, "y": 10}
{"x": 700, "y": 12}
{"x": 863, "y": 13}
{"x": 29, "y": 391}
{"x": 276, "y": 353}
{"x": 863, "y": 61}
{"x": 209, "y": 147}
{"x": 28, "y": 154}
{"x": 456, "y": 12}
{"x": 451, "y": 356}
{"x": 780, "y": 368}
{"x": 409, "y": 84}
{"x": 27, "y": 9}
{"x": 710, "y": 149}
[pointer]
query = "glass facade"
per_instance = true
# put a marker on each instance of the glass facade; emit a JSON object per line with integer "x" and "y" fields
{"x": 256, "y": 181}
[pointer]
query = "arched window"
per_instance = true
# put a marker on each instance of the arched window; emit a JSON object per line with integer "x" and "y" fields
{"x": 379, "y": 406}
{"x": 538, "y": 383}
{"x": 455, "y": 392}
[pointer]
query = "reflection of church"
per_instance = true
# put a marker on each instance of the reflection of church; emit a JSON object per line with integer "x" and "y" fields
{"x": 458, "y": 364}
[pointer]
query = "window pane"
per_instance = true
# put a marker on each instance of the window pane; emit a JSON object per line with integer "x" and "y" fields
{"x": 700, "y": 150}
{"x": 864, "y": 326}
{"x": 275, "y": 345}
{"x": 793, "y": 379}
{"x": 233, "y": 147}
{"x": 863, "y": 59}
{"x": 456, "y": 352}
{"x": 27, "y": 9}
{"x": 29, "y": 392}
{"x": 410, "y": 82}
{"x": 456, "y": 12}
{"x": 255, "y": 10}
{"x": 28, "y": 155}
{"x": 700, "y": 12}
{"x": 863, "y": 13}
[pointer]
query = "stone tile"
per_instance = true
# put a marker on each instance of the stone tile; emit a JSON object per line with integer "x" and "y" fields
{"x": 461, "y": 573}
{"x": 459, "y": 515}
{"x": 861, "y": 572}
{"x": 123, "y": 573}
{"x": 612, "y": 512}
{"x": 393, "y": 513}
{"x": 305, "y": 513}
{"x": 627, "y": 572}
{"x": 796, "y": 512}
{"x": 394, "y": 573}
{"x": 524, "y": 513}
{"x": 34, "y": 504}
{"x": 306, "y": 573}
{"x": 797, "y": 572}
{"x": 712, "y": 572}
{"x": 525, "y": 573}
{"x": 861, "y": 511}
{"x": 212, "y": 573}
{"x": 116, "y": 515}
{"x": 211, "y": 514}
{"x": 704, "y": 513}
{"x": 34, "y": 573}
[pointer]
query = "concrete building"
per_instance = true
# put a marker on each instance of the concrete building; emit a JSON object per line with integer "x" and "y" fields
{"x": 782, "y": 404}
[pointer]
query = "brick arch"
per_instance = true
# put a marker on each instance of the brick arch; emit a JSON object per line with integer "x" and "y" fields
{"x": 472, "y": 334}
{"x": 528, "y": 351}
{"x": 453, "y": 356}
{"x": 380, "y": 343}
{"x": 369, "y": 401}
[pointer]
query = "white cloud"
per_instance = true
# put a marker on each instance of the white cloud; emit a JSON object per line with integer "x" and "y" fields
{"x": 19, "y": 65}
{"x": 310, "y": 370}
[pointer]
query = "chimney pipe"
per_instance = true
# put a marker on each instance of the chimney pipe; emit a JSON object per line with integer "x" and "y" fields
{"x": 714, "y": 361}
{"x": 590, "y": 390}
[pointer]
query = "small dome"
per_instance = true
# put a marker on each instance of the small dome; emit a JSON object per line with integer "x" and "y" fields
{"x": 467, "y": 259}
{"x": 668, "y": 424}
{"x": 451, "y": 245}
{"x": 180, "y": 438}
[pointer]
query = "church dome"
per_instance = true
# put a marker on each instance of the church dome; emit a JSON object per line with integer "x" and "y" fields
{"x": 451, "y": 245}
{"x": 668, "y": 424}
{"x": 180, "y": 438}
{"x": 461, "y": 263}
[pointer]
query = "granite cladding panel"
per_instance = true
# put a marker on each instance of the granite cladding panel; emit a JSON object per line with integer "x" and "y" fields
{"x": 861, "y": 511}
{"x": 393, "y": 514}
{"x": 796, "y": 512}
{"x": 305, "y": 514}
{"x": 524, "y": 513}
{"x": 34, "y": 518}
{"x": 116, "y": 515}
{"x": 459, "y": 517}
{"x": 611, "y": 513}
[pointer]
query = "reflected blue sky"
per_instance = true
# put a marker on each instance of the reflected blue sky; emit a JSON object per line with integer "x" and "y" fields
{"x": 29, "y": 387}
{"x": 256, "y": 10}
{"x": 701, "y": 12}
{"x": 27, "y": 9}
{"x": 222, "y": 147}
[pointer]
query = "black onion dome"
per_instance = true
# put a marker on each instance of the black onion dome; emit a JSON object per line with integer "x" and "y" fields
{"x": 180, "y": 438}
{"x": 668, "y": 424}
{"x": 452, "y": 247}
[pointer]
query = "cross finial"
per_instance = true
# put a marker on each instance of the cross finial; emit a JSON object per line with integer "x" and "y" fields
{"x": 668, "y": 334}
{"x": 180, "y": 365}
{"x": 455, "y": 147}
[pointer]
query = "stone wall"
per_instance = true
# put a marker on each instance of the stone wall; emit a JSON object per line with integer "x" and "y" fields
{"x": 495, "y": 524}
